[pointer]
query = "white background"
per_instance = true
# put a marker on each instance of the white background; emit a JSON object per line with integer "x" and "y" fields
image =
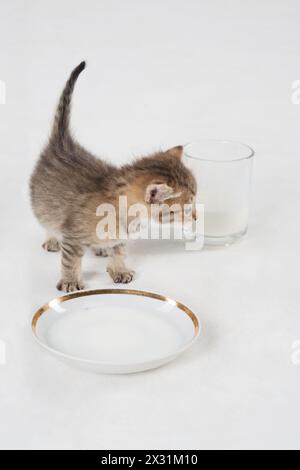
{"x": 160, "y": 73}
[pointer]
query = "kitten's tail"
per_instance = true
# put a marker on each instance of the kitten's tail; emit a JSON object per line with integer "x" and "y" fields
{"x": 61, "y": 125}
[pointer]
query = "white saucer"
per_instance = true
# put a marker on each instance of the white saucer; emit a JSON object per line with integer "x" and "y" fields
{"x": 115, "y": 331}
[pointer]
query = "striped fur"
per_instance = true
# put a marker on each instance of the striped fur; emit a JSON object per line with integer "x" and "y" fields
{"x": 69, "y": 183}
{"x": 61, "y": 126}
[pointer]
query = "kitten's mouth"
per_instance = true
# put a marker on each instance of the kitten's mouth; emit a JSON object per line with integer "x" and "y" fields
{"x": 167, "y": 218}
{"x": 170, "y": 217}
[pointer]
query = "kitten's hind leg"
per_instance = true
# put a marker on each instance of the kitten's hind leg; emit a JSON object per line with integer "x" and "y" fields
{"x": 51, "y": 243}
{"x": 116, "y": 268}
{"x": 71, "y": 255}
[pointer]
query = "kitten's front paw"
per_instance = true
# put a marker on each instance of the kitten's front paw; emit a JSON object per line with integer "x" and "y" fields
{"x": 70, "y": 286}
{"x": 51, "y": 245}
{"x": 121, "y": 277}
{"x": 104, "y": 252}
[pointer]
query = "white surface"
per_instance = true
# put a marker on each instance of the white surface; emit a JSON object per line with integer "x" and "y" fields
{"x": 116, "y": 332}
{"x": 159, "y": 73}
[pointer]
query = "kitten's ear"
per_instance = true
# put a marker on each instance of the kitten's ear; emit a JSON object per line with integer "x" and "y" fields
{"x": 175, "y": 152}
{"x": 156, "y": 193}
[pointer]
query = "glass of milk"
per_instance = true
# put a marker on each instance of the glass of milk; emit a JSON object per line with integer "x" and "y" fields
{"x": 223, "y": 172}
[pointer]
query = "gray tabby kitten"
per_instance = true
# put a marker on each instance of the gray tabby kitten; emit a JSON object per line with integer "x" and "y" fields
{"x": 69, "y": 183}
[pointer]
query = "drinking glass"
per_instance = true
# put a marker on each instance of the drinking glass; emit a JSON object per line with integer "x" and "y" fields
{"x": 223, "y": 172}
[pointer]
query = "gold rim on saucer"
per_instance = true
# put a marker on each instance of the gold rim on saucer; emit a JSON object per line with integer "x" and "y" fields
{"x": 85, "y": 293}
{"x": 142, "y": 293}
